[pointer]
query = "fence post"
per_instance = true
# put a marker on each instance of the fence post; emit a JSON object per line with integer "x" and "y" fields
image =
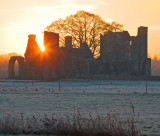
{"x": 146, "y": 88}
{"x": 59, "y": 86}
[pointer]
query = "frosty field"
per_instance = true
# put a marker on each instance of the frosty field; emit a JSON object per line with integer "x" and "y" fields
{"x": 95, "y": 96}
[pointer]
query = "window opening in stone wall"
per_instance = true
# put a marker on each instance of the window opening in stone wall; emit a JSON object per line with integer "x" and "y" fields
{"x": 16, "y": 69}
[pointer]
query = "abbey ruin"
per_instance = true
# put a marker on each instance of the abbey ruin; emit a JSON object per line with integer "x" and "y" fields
{"x": 120, "y": 54}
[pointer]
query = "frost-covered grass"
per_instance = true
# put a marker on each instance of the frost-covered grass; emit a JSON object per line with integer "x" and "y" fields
{"x": 96, "y": 96}
{"x": 76, "y": 124}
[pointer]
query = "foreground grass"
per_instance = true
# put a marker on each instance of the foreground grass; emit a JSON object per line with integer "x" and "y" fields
{"x": 75, "y": 124}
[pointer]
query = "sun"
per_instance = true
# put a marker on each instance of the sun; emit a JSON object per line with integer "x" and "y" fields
{"x": 39, "y": 39}
{"x": 42, "y": 48}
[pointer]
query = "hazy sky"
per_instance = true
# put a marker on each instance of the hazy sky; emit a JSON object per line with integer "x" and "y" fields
{"x": 22, "y": 17}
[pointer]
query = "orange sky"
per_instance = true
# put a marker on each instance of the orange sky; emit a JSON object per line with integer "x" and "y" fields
{"x": 22, "y": 17}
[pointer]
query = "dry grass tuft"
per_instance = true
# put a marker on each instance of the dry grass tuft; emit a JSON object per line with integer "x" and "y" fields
{"x": 75, "y": 124}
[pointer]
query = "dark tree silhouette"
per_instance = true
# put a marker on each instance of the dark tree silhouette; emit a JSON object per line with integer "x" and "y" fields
{"x": 83, "y": 27}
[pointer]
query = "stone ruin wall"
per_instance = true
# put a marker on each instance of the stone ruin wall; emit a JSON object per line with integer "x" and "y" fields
{"x": 22, "y": 68}
{"x": 33, "y": 58}
{"x": 126, "y": 54}
{"x": 51, "y": 56}
{"x": 121, "y": 54}
{"x": 115, "y": 50}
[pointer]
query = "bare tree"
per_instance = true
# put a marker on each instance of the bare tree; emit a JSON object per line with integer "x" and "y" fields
{"x": 116, "y": 27}
{"x": 83, "y": 27}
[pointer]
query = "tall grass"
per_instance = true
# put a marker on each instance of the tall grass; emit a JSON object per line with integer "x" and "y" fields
{"x": 76, "y": 124}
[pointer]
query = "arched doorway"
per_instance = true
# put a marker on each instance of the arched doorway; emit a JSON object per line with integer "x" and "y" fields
{"x": 21, "y": 67}
{"x": 16, "y": 69}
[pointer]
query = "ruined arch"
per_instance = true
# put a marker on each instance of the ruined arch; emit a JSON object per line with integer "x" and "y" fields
{"x": 21, "y": 62}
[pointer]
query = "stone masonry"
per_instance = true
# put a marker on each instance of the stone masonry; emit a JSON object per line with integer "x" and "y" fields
{"x": 120, "y": 54}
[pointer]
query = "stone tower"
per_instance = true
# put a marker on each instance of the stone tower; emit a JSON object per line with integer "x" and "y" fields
{"x": 33, "y": 58}
{"x": 51, "y": 56}
{"x": 142, "y": 37}
{"x": 32, "y": 47}
{"x": 139, "y": 43}
{"x": 143, "y": 34}
{"x": 51, "y": 41}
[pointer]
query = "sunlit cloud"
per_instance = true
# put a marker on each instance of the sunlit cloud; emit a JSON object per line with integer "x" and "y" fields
{"x": 32, "y": 19}
{"x": 88, "y": 2}
{"x": 4, "y": 10}
{"x": 40, "y": 8}
{"x": 154, "y": 28}
{"x": 71, "y": 6}
{"x": 97, "y": 2}
{"x": 88, "y": 5}
{"x": 102, "y": 3}
{"x": 23, "y": 27}
{"x": 11, "y": 28}
{"x": 16, "y": 23}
